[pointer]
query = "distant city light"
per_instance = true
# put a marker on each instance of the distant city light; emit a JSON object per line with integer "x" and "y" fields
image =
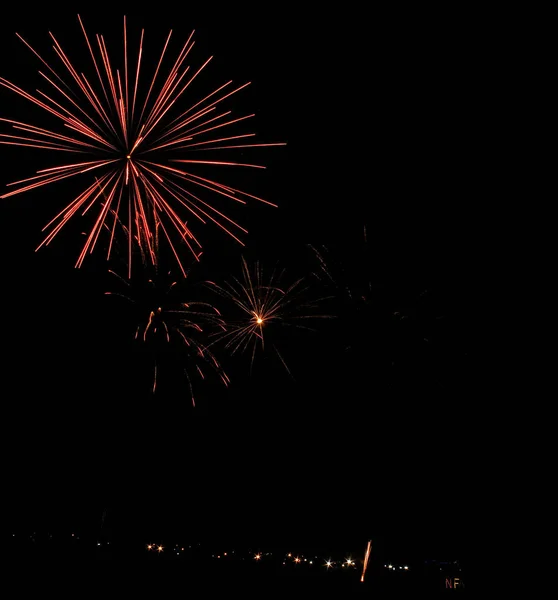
{"x": 248, "y": 554}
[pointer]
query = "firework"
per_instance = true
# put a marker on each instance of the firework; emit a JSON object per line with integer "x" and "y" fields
{"x": 350, "y": 275}
{"x": 345, "y": 271}
{"x": 133, "y": 136}
{"x": 261, "y": 305}
{"x": 366, "y": 557}
{"x": 167, "y": 326}
{"x": 400, "y": 322}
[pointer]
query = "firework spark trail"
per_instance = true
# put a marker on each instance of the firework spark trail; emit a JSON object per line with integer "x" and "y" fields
{"x": 350, "y": 276}
{"x": 262, "y": 302}
{"x": 146, "y": 179}
{"x": 162, "y": 321}
{"x": 366, "y": 557}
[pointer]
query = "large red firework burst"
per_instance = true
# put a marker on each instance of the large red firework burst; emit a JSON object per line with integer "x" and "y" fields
{"x": 134, "y": 135}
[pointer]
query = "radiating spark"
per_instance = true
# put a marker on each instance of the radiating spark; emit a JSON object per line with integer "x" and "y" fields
{"x": 262, "y": 302}
{"x": 166, "y": 323}
{"x": 132, "y": 149}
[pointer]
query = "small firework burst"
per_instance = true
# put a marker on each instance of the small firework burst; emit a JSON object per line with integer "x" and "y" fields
{"x": 170, "y": 326}
{"x": 401, "y": 320}
{"x": 348, "y": 271}
{"x": 261, "y": 305}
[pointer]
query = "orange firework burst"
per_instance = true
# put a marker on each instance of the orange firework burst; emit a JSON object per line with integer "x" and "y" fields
{"x": 263, "y": 304}
{"x": 167, "y": 326}
{"x": 134, "y": 135}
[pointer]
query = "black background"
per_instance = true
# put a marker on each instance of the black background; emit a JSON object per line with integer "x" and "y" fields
{"x": 381, "y": 114}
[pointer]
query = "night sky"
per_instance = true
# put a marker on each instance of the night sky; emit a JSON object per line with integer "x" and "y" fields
{"x": 369, "y": 436}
